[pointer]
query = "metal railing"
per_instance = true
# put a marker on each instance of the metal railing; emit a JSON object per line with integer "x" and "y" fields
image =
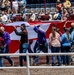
{"x": 28, "y": 67}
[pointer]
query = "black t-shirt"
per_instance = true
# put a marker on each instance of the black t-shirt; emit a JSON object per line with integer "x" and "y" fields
{"x": 24, "y": 36}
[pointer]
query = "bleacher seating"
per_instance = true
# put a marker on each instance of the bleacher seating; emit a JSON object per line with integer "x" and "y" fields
{"x": 37, "y": 7}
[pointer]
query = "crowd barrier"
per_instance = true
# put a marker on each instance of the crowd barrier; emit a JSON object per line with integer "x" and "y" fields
{"x": 28, "y": 67}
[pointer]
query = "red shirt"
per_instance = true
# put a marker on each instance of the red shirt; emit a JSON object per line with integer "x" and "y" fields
{"x": 58, "y": 6}
{"x": 1, "y": 41}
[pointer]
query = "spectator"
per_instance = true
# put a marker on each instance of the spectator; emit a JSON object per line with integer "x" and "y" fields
{"x": 72, "y": 45}
{"x": 5, "y": 5}
{"x": 8, "y": 16}
{"x": 12, "y": 15}
{"x": 2, "y": 5}
{"x": 22, "y": 5}
{"x": 66, "y": 44}
{"x": 5, "y": 35}
{"x": 59, "y": 6}
{"x": 66, "y": 4}
{"x": 15, "y": 6}
{"x": 41, "y": 44}
{"x": 24, "y": 17}
{"x": 57, "y": 15}
{"x": 72, "y": 41}
{"x": 4, "y": 18}
{"x": 65, "y": 14}
{"x": 23, "y": 42}
{"x": 41, "y": 13}
{"x": 55, "y": 45}
{"x": 33, "y": 16}
{"x": 50, "y": 16}
{"x": 2, "y": 44}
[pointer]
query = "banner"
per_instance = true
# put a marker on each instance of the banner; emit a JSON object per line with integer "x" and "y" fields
{"x": 32, "y": 35}
{"x": 14, "y": 45}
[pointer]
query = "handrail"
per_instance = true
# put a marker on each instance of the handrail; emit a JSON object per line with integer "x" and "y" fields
{"x": 28, "y": 67}
{"x": 33, "y": 54}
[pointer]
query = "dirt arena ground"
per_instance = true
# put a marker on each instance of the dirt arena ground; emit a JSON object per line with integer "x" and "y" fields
{"x": 37, "y": 72}
{"x": 34, "y": 71}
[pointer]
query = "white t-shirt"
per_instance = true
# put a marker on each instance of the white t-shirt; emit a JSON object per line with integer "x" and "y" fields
{"x": 50, "y": 17}
{"x": 15, "y": 4}
{"x": 4, "y": 18}
{"x": 33, "y": 17}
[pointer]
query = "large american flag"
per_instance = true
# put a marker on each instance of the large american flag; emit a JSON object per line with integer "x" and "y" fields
{"x": 32, "y": 35}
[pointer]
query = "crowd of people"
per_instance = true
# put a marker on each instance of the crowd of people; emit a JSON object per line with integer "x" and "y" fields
{"x": 58, "y": 42}
{"x": 62, "y": 12}
{"x": 18, "y": 7}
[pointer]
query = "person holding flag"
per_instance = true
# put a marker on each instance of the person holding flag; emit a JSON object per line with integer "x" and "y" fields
{"x": 42, "y": 43}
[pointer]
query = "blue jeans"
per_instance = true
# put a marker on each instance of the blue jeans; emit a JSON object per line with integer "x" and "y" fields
{"x": 8, "y": 57}
{"x": 66, "y": 58}
{"x": 1, "y": 58}
{"x": 23, "y": 49}
{"x": 44, "y": 48}
{"x": 56, "y": 50}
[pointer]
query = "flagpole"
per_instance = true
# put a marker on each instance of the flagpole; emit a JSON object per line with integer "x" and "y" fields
{"x": 11, "y": 3}
{"x": 45, "y": 6}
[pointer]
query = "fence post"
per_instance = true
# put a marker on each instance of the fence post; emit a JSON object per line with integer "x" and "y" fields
{"x": 28, "y": 64}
